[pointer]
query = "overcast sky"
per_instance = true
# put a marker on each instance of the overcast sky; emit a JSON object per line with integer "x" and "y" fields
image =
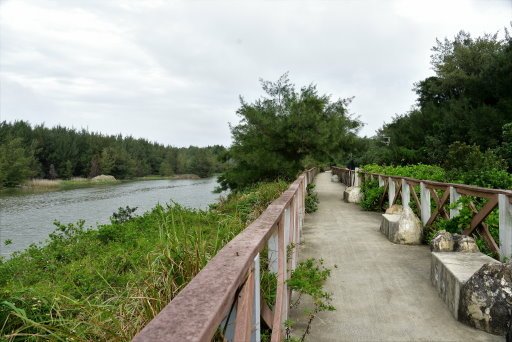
{"x": 172, "y": 71}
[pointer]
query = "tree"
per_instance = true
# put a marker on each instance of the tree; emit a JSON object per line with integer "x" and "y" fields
{"x": 107, "y": 161}
{"x": 15, "y": 163}
{"x": 68, "y": 170}
{"x": 279, "y": 131}
{"x": 468, "y": 100}
{"x": 52, "y": 173}
{"x": 95, "y": 167}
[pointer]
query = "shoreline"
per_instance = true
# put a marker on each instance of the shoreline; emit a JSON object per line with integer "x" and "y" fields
{"x": 36, "y": 186}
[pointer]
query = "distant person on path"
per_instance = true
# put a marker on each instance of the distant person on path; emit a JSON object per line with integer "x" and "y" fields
{"x": 351, "y": 164}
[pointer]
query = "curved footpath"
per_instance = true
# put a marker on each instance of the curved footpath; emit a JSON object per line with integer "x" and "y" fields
{"x": 381, "y": 291}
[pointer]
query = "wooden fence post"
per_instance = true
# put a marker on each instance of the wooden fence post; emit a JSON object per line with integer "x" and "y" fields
{"x": 381, "y": 181}
{"x": 406, "y": 193}
{"x": 454, "y": 196}
{"x": 256, "y": 326}
{"x": 272, "y": 253}
{"x": 505, "y": 212}
{"x": 391, "y": 190}
{"x": 425, "y": 203}
{"x": 357, "y": 177}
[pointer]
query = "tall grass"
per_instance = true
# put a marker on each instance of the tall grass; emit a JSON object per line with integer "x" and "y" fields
{"x": 108, "y": 283}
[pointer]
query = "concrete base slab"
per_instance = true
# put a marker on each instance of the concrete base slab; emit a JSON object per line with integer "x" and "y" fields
{"x": 450, "y": 270}
{"x": 352, "y": 194}
{"x": 389, "y": 224}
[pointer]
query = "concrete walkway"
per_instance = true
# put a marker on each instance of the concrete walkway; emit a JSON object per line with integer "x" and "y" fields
{"x": 381, "y": 291}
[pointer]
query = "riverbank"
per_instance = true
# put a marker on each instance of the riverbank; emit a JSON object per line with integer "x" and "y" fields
{"x": 47, "y": 185}
{"x": 107, "y": 283}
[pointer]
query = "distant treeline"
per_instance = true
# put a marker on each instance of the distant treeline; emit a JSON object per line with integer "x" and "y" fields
{"x": 40, "y": 152}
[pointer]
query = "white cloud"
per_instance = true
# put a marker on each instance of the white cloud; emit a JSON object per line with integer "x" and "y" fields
{"x": 172, "y": 71}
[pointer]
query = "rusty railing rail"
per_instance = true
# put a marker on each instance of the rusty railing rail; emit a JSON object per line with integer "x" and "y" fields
{"x": 396, "y": 187}
{"x": 225, "y": 294}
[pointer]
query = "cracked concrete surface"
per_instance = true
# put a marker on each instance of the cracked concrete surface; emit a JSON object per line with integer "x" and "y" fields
{"x": 381, "y": 291}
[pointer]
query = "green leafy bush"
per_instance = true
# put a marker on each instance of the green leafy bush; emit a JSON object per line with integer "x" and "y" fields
{"x": 311, "y": 200}
{"x": 419, "y": 171}
{"x": 372, "y": 194}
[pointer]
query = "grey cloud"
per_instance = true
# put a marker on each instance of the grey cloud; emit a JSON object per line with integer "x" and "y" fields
{"x": 172, "y": 71}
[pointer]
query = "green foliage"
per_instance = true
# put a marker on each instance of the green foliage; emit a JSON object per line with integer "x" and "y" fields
{"x": 15, "y": 162}
{"x": 122, "y": 215}
{"x": 468, "y": 100}
{"x": 311, "y": 200}
{"x": 462, "y": 221}
{"x": 467, "y": 164}
{"x": 27, "y": 151}
{"x": 372, "y": 193}
{"x": 282, "y": 131}
{"x": 309, "y": 278}
{"x": 107, "y": 283}
{"x": 419, "y": 171}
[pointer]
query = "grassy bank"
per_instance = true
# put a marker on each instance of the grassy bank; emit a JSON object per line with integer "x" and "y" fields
{"x": 44, "y": 185}
{"x": 106, "y": 284}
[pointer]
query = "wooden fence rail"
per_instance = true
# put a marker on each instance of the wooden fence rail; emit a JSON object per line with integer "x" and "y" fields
{"x": 225, "y": 295}
{"x": 445, "y": 194}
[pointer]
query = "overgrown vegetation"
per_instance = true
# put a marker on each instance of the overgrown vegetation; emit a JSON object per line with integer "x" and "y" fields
{"x": 372, "y": 194}
{"x": 59, "y": 152}
{"x": 107, "y": 283}
{"x": 462, "y": 221}
{"x": 311, "y": 200}
{"x": 308, "y": 279}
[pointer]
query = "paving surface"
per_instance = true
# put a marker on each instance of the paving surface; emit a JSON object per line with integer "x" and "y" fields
{"x": 382, "y": 291}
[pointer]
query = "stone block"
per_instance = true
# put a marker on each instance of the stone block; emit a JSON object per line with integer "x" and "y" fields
{"x": 389, "y": 222}
{"x": 395, "y": 209}
{"x": 486, "y": 299}
{"x": 352, "y": 194}
{"x": 442, "y": 242}
{"x": 464, "y": 244}
{"x": 450, "y": 270}
{"x": 404, "y": 228}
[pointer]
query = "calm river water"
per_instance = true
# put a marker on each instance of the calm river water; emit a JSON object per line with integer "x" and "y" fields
{"x": 26, "y": 219}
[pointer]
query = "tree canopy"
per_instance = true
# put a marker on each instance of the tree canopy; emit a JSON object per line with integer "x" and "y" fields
{"x": 468, "y": 100}
{"x": 43, "y": 152}
{"x": 285, "y": 131}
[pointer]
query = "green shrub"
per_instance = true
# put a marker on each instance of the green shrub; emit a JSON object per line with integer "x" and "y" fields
{"x": 419, "y": 171}
{"x": 311, "y": 200}
{"x": 372, "y": 194}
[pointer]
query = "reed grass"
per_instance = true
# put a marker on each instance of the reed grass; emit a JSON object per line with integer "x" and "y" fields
{"x": 108, "y": 283}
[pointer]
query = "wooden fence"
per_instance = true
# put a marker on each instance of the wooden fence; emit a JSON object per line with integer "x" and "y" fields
{"x": 443, "y": 195}
{"x": 225, "y": 295}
